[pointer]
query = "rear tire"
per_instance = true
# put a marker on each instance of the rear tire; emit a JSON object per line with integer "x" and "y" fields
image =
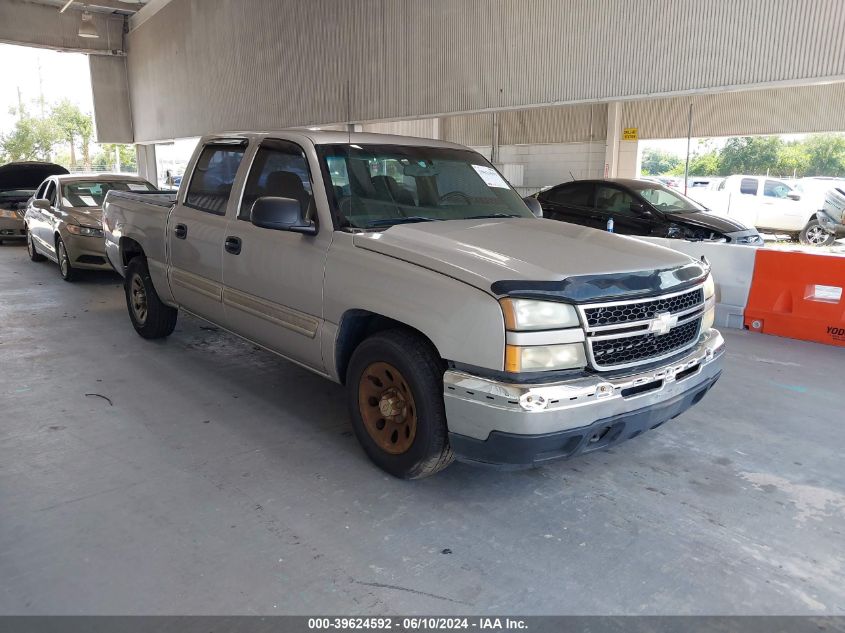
{"x": 150, "y": 317}
{"x": 34, "y": 255}
{"x": 394, "y": 385}
{"x": 814, "y": 235}
{"x": 66, "y": 270}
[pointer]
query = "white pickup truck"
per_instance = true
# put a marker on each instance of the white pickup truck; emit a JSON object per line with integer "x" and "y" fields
{"x": 410, "y": 271}
{"x": 769, "y": 204}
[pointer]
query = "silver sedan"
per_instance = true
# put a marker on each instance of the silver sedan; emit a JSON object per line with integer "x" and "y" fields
{"x": 64, "y": 220}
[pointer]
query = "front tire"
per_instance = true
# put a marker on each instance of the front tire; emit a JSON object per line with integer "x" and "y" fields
{"x": 394, "y": 386}
{"x": 66, "y": 270}
{"x": 150, "y": 317}
{"x": 815, "y": 235}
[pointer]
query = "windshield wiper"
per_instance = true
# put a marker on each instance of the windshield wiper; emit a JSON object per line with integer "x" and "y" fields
{"x": 406, "y": 220}
{"x": 491, "y": 215}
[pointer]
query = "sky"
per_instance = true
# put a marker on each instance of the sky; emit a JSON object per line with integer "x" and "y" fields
{"x": 62, "y": 75}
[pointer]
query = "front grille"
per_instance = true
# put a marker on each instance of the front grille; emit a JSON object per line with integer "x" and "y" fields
{"x": 614, "y": 314}
{"x": 634, "y": 349}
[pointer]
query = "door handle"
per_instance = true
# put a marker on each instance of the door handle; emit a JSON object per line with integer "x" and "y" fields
{"x": 232, "y": 245}
{"x": 180, "y": 231}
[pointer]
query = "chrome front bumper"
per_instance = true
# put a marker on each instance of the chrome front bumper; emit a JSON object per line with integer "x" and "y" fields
{"x": 477, "y": 406}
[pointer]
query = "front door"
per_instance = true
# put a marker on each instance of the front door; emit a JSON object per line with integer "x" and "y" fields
{"x": 41, "y": 222}
{"x": 273, "y": 279}
{"x": 616, "y": 203}
{"x": 197, "y": 227}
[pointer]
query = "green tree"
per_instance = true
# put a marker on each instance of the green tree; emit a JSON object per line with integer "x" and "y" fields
{"x": 792, "y": 160}
{"x": 749, "y": 155}
{"x": 30, "y": 139}
{"x": 73, "y": 124}
{"x": 656, "y": 162}
{"x": 825, "y": 155}
{"x": 104, "y": 160}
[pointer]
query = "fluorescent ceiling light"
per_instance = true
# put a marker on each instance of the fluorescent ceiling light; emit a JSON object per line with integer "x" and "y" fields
{"x": 67, "y": 4}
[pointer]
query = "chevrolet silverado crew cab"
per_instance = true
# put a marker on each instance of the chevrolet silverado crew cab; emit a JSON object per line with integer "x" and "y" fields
{"x": 410, "y": 271}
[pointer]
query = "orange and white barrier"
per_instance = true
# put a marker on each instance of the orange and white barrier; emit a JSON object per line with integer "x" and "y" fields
{"x": 798, "y": 295}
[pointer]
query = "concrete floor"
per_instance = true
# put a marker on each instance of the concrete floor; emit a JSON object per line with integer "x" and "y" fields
{"x": 220, "y": 479}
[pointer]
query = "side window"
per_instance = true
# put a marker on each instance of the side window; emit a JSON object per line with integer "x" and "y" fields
{"x": 748, "y": 186}
{"x": 214, "y": 173}
{"x": 39, "y": 195}
{"x": 280, "y": 169}
{"x": 577, "y": 194}
{"x": 50, "y": 192}
{"x": 775, "y": 189}
{"x": 613, "y": 200}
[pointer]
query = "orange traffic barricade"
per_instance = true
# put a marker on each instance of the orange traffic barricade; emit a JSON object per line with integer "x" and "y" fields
{"x": 798, "y": 295}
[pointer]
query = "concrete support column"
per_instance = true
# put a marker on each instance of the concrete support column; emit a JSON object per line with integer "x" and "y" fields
{"x": 146, "y": 155}
{"x": 614, "y": 136}
{"x": 628, "y": 165}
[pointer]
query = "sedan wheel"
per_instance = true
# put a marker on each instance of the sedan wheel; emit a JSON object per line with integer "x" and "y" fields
{"x": 67, "y": 271}
{"x": 34, "y": 255}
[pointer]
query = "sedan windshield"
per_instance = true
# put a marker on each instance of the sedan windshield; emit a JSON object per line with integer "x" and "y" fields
{"x": 90, "y": 193}
{"x": 664, "y": 199}
{"x": 377, "y": 186}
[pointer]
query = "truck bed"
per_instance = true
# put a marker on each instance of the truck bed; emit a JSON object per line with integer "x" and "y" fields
{"x": 143, "y": 215}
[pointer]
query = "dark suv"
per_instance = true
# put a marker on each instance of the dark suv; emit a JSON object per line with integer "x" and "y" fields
{"x": 639, "y": 207}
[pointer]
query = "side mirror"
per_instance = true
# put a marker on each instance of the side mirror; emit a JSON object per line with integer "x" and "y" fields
{"x": 40, "y": 203}
{"x": 793, "y": 196}
{"x": 281, "y": 214}
{"x": 534, "y": 206}
{"x": 640, "y": 209}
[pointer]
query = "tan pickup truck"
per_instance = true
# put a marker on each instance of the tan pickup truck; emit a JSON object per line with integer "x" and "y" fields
{"x": 411, "y": 272}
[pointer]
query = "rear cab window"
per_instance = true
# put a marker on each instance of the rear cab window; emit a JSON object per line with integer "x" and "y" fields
{"x": 213, "y": 176}
{"x": 748, "y": 186}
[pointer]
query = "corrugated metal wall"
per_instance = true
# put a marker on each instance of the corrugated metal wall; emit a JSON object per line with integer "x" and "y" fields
{"x": 112, "y": 118}
{"x": 786, "y": 110}
{"x": 201, "y": 65}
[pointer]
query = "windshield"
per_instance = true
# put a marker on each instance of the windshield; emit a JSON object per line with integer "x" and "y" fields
{"x": 376, "y": 186}
{"x": 664, "y": 199}
{"x": 90, "y": 193}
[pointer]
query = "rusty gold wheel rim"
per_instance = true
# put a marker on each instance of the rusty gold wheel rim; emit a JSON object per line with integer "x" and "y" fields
{"x": 387, "y": 407}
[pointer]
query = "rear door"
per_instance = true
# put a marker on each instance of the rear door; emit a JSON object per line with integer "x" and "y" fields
{"x": 272, "y": 279}
{"x": 197, "y": 226}
{"x": 570, "y": 202}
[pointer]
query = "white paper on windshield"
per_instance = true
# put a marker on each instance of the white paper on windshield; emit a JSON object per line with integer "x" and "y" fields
{"x": 490, "y": 176}
{"x": 88, "y": 200}
{"x": 136, "y": 186}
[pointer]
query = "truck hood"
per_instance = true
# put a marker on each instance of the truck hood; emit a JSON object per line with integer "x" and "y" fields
{"x": 708, "y": 221}
{"x": 534, "y": 257}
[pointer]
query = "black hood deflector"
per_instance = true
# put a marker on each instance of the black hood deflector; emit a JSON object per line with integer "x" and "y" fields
{"x": 593, "y": 288}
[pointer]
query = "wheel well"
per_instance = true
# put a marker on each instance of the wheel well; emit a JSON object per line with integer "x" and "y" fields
{"x": 129, "y": 248}
{"x": 357, "y": 325}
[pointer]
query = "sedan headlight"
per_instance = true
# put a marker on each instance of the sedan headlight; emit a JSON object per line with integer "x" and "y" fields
{"x": 8, "y": 213}
{"x": 85, "y": 231}
{"x": 530, "y": 314}
{"x": 544, "y": 357}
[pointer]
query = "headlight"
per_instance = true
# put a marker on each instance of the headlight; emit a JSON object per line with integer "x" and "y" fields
{"x": 85, "y": 231}
{"x": 8, "y": 213}
{"x": 544, "y": 357}
{"x": 709, "y": 287}
{"x": 529, "y": 314}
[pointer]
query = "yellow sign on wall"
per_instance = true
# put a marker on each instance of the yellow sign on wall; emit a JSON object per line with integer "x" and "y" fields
{"x": 630, "y": 134}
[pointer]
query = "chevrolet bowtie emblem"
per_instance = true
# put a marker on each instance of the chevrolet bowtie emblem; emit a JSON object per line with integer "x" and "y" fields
{"x": 662, "y": 323}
